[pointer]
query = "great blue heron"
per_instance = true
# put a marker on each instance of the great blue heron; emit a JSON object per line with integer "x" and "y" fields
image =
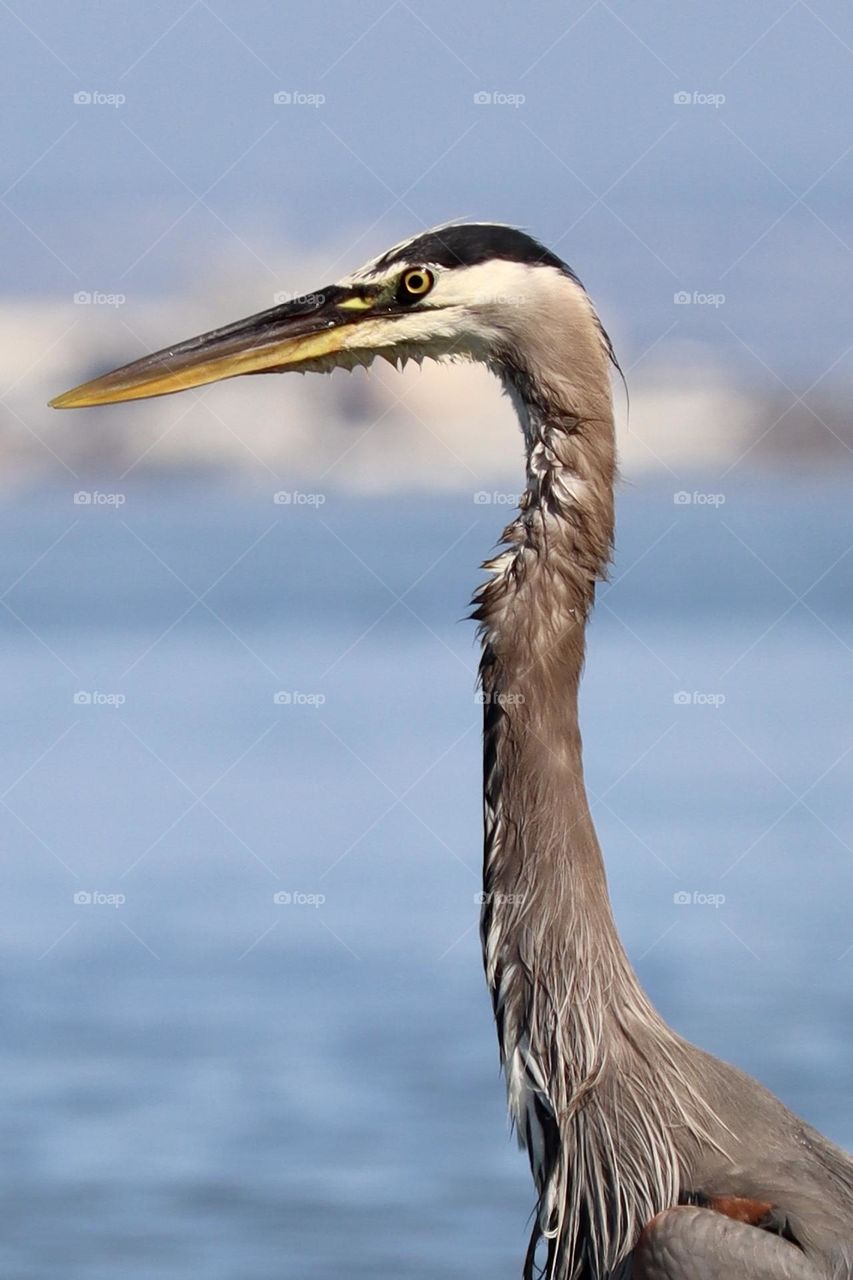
{"x": 651, "y": 1158}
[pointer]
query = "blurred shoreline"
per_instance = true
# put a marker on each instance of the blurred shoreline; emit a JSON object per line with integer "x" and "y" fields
{"x": 429, "y": 429}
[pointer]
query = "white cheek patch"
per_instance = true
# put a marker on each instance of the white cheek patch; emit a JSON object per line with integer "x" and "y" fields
{"x": 461, "y": 307}
{"x": 471, "y": 311}
{"x": 497, "y": 283}
{"x": 422, "y": 328}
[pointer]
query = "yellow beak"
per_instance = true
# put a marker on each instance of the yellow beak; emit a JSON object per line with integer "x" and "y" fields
{"x": 290, "y": 336}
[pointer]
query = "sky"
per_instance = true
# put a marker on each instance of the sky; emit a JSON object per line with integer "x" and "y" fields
{"x": 668, "y": 151}
{"x": 169, "y": 166}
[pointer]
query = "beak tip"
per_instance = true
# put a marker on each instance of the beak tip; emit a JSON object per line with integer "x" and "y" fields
{"x": 76, "y": 398}
{"x": 68, "y": 400}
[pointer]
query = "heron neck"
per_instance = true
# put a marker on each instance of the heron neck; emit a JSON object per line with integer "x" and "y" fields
{"x": 574, "y": 1025}
{"x": 545, "y": 886}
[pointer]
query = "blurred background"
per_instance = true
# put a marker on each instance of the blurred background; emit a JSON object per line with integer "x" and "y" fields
{"x": 246, "y": 1029}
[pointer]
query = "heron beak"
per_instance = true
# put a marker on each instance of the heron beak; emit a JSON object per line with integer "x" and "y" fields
{"x": 291, "y": 336}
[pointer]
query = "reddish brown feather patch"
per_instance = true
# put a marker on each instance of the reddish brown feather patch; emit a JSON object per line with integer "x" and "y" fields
{"x": 755, "y": 1213}
{"x": 752, "y": 1212}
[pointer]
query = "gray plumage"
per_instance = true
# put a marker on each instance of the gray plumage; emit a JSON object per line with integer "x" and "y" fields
{"x": 620, "y": 1116}
{"x": 651, "y": 1159}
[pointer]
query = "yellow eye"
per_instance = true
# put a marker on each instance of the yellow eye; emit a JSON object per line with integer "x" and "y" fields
{"x": 417, "y": 282}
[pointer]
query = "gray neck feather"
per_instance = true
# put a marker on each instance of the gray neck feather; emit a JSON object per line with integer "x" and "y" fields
{"x": 595, "y": 1078}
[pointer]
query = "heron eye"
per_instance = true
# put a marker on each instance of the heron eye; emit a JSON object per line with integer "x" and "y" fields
{"x": 415, "y": 284}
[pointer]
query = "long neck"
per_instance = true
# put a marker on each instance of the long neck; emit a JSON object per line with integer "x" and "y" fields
{"x": 573, "y": 1022}
{"x": 544, "y": 877}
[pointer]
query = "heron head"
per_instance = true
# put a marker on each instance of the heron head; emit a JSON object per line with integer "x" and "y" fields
{"x": 475, "y": 291}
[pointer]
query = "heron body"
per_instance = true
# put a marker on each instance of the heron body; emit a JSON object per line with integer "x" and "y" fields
{"x": 651, "y": 1159}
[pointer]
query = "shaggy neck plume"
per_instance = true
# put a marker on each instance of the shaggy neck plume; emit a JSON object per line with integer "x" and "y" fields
{"x": 569, "y": 1010}
{"x": 533, "y": 613}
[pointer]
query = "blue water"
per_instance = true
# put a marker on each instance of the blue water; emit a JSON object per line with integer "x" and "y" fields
{"x": 198, "y": 1080}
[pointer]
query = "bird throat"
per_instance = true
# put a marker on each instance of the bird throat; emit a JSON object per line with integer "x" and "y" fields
{"x": 562, "y": 986}
{"x": 543, "y": 871}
